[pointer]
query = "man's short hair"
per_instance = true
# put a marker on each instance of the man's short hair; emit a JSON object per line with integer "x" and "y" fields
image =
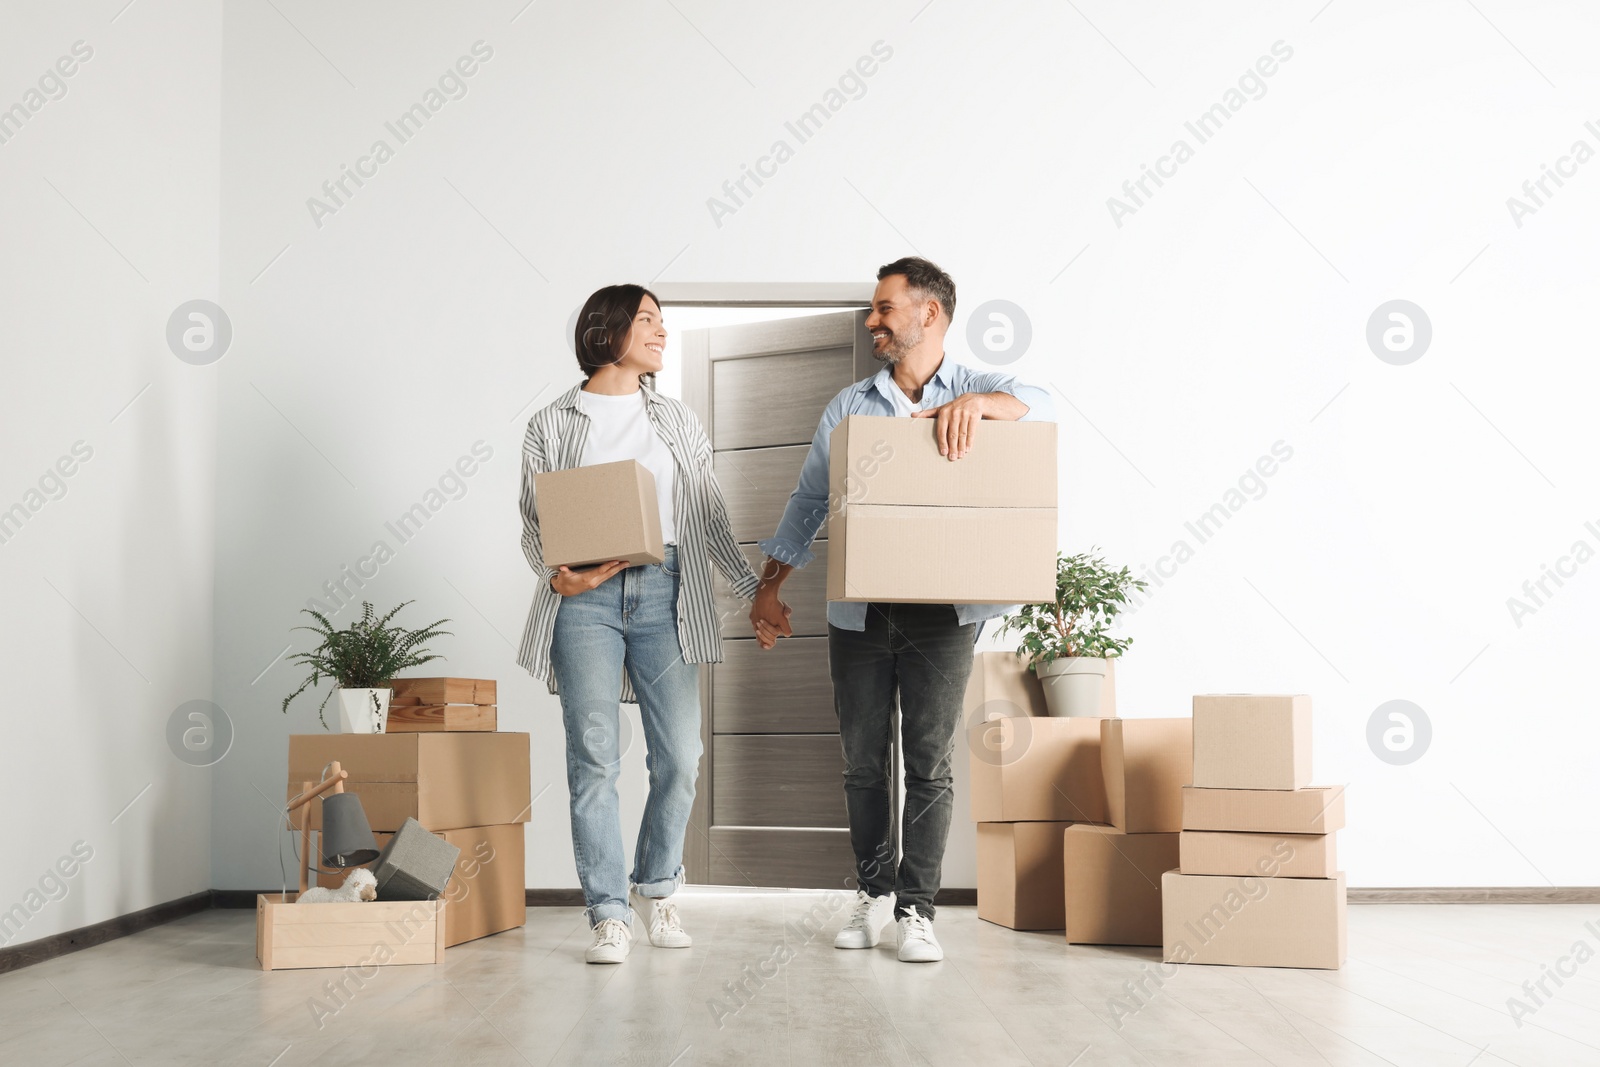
{"x": 925, "y": 279}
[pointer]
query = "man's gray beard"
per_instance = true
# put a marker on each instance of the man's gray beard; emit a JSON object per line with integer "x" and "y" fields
{"x": 898, "y": 347}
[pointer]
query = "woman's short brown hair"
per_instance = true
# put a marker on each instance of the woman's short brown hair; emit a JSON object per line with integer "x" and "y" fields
{"x": 601, "y": 334}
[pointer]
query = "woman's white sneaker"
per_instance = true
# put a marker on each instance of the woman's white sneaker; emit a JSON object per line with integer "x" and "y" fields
{"x": 864, "y": 928}
{"x": 917, "y": 943}
{"x": 612, "y": 939}
{"x": 661, "y": 921}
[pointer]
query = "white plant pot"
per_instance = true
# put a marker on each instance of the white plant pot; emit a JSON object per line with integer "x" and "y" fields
{"x": 363, "y": 711}
{"x": 1072, "y": 685}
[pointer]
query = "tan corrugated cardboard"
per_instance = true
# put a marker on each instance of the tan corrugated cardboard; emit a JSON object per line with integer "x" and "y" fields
{"x": 445, "y": 781}
{"x": 1225, "y": 852}
{"x": 1254, "y": 922}
{"x": 1019, "y": 874}
{"x": 1113, "y": 884}
{"x": 1001, "y": 686}
{"x": 1146, "y": 763}
{"x": 599, "y": 513}
{"x": 875, "y": 459}
{"x": 1249, "y": 741}
{"x": 916, "y": 554}
{"x": 1036, "y": 770}
{"x": 1317, "y": 809}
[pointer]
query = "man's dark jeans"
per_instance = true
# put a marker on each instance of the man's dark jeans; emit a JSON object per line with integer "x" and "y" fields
{"x": 923, "y": 652}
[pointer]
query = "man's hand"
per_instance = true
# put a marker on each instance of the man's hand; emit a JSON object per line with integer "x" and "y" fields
{"x": 769, "y": 617}
{"x": 957, "y": 423}
{"x": 570, "y": 582}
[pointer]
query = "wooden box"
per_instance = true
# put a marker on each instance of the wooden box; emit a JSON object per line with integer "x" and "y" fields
{"x": 429, "y": 705}
{"x": 365, "y": 934}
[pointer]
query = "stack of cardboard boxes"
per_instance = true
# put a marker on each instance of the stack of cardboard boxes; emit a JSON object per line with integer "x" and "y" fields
{"x": 1113, "y": 873}
{"x": 1257, "y": 883}
{"x": 470, "y": 786}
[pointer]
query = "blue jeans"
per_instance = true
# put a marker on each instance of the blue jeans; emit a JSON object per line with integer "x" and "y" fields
{"x": 629, "y": 622}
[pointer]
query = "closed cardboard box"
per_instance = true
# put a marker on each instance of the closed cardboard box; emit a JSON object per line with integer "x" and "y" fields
{"x": 445, "y": 781}
{"x": 599, "y": 513}
{"x": 1264, "y": 855}
{"x": 1036, "y": 770}
{"x": 1113, "y": 884}
{"x": 907, "y": 525}
{"x": 1001, "y": 686}
{"x": 1146, "y": 763}
{"x": 486, "y": 893}
{"x": 916, "y": 554}
{"x": 1244, "y": 741}
{"x": 875, "y": 459}
{"x": 1019, "y": 874}
{"x": 1253, "y": 922}
{"x": 1317, "y": 809}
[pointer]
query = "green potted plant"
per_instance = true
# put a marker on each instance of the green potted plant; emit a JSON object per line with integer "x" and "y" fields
{"x": 359, "y": 659}
{"x": 1067, "y": 642}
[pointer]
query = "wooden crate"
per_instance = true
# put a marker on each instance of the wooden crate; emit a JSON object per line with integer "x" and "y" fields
{"x": 366, "y": 934}
{"x": 420, "y": 718}
{"x": 412, "y": 691}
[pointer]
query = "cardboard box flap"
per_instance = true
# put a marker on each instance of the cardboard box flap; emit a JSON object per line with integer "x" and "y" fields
{"x": 876, "y": 459}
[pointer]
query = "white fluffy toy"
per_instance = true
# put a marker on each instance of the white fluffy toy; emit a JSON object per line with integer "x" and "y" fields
{"x": 359, "y": 885}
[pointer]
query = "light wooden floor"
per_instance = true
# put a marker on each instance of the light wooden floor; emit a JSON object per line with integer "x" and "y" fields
{"x": 1425, "y": 985}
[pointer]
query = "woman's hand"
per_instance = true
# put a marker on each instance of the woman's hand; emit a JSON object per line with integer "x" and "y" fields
{"x": 570, "y": 582}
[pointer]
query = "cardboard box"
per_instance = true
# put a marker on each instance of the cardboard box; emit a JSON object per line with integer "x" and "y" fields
{"x": 1036, "y": 770}
{"x": 1146, "y": 763}
{"x": 369, "y": 933}
{"x": 1317, "y": 809}
{"x": 1001, "y": 686}
{"x": 1227, "y": 852}
{"x": 1113, "y": 884}
{"x": 1019, "y": 874}
{"x": 912, "y": 554}
{"x": 599, "y": 513}
{"x": 1243, "y": 741}
{"x": 1254, "y": 922}
{"x": 907, "y": 525}
{"x": 486, "y": 893}
{"x": 874, "y": 459}
{"x": 445, "y": 781}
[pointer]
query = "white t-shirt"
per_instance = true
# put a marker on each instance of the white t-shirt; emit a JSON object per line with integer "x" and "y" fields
{"x": 903, "y": 405}
{"x": 619, "y": 429}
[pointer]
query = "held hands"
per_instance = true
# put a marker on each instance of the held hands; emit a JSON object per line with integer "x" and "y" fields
{"x": 769, "y": 617}
{"x": 956, "y": 424}
{"x": 570, "y": 582}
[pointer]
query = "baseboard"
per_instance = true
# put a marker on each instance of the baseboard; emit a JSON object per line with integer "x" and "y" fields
{"x": 1479, "y": 895}
{"x": 53, "y": 945}
{"x": 50, "y": 947}
{"x": 573, "y": 898}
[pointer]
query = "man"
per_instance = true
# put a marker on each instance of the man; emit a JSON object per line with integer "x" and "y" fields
{"x": 921, "y": 652}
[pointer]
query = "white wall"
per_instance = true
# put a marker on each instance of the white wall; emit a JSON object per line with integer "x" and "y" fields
{"x": 427, "y": 313}
{"x": 1222, "y": 317}
{"x": 111, "y": 222}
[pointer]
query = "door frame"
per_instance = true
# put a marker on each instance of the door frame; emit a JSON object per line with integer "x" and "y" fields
{"x": 841, "y": 296}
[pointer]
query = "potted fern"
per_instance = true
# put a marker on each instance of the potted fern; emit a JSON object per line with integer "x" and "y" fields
{"x": 1067, "y": 642}
{"x": 359, "y": 659}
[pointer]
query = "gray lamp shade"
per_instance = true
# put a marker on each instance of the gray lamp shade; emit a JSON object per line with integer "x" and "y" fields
{"x": 347, "y": 839}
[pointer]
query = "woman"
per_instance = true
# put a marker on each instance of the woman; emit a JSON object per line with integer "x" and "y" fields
{"x": 647, "y": 626}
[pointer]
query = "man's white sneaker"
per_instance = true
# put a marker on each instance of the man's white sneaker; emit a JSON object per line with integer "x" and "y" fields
{"x": 917, "y": 943}
{"x": 660, "y": 916}
{"x": 612, "y": 939}
{"x": 864, "y": 928}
